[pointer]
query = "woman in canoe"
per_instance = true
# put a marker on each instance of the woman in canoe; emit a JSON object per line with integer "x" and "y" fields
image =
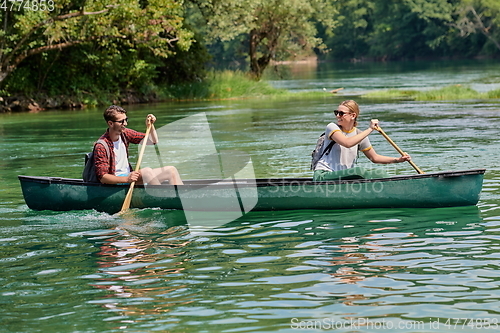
{"x": 342, "y": 143}
{"x": 116, "y": 169}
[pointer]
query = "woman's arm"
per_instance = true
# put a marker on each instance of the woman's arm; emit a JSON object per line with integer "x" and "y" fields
{"x": 381, "y": 159}
{"x": 349, "y": 142}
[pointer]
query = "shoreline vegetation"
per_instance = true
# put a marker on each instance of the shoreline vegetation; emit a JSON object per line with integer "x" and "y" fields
{"x": 223, "y": 85}
{"x": 218, "y": 85}
{"x": 448, "y": 93}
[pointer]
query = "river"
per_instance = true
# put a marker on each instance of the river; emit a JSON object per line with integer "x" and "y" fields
{"x": 399, "y": 270}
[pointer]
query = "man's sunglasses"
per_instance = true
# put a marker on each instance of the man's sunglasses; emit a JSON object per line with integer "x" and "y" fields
{"x": 120, "y": 121}
{"x": 340, "y": 113}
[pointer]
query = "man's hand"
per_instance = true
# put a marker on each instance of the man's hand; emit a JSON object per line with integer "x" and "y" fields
{"x": 150, "y": 118}
{"x": 133, "y": 176}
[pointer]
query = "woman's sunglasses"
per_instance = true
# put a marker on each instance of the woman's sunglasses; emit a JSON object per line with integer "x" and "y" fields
{"x": 340, "y": 113}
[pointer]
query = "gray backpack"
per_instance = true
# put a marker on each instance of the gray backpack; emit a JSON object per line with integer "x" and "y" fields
{"x": 89, "y": 175}
{"x": 318, "y": 151}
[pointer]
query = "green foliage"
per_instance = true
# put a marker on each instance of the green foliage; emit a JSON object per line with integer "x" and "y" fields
{"x": 185, "y": 66}
{"x": 407, "y": 29}
{"x": 391, "y": 29}
{"x": 111, "y": 25}
{"x": 222, "y": 85}
{"x": 493, "y": 93}
{"x": 454, "y": 92}
{"x": 272, "y": 29}
{"x": 391, "y": 94}
{"x": 480, "y": 17}
{"x": 229, "y": 84}
{"x": 349, "y": 39}
{"x": 99, "y": 50}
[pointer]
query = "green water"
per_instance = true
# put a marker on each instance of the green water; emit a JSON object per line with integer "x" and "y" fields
{"x": 400, "y": 270}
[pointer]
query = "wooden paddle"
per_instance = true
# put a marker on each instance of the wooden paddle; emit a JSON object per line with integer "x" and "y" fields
{"x": 156, "y": 148}
{"x": 398, "y": 149}
{"x": 128, "y": 198}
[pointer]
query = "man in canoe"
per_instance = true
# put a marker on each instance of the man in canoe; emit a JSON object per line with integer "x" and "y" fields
{"x": 116, "y": 168}
{"x": 342, "y": 143}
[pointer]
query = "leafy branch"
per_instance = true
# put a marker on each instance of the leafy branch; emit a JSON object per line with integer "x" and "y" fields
{"x": 470, "y": 21}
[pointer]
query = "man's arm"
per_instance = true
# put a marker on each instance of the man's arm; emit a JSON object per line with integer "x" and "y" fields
{"x": 153, "y": 136}
{"x": 112, "y": 179}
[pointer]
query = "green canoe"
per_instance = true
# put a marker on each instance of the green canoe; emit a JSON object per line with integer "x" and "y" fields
{"x": 439, "y": 189}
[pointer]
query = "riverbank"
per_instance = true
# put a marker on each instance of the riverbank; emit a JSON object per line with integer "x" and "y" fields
{"x": 21, "y": 103}
{"x": 220, "y": 86}
{"x": 217, "y": 85}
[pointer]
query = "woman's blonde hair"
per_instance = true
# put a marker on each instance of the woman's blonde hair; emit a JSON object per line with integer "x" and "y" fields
{"x": 353, "y": 107}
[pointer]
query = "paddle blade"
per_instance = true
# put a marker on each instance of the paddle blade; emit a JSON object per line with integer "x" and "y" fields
{"x": 128, "y": 199}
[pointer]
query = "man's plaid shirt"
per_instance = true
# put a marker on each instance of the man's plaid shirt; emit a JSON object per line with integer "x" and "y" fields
{"x": 106, "y": 165}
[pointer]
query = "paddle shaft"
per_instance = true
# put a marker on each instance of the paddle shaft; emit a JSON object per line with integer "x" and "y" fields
{"x": 156, "y": 148}
{"x": 399, "y": 149}
{"x": 128, "y": 198}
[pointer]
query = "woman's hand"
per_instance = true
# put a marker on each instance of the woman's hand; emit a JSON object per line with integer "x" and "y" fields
{"x": 374, "y": 124}
{"x": 404, "y": 158}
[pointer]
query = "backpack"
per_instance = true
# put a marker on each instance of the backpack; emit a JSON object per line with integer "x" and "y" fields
{"x": 89, "y": 174}
{"x": 318, "y": 151}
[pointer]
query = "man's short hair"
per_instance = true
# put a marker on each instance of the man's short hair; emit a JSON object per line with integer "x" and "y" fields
{"x": 111, "y": 112}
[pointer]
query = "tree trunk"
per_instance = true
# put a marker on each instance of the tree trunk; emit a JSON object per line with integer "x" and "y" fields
{"x": 259, "y": 64}
{"x": 4, "y": 72}
{"x": 255, "y": 69}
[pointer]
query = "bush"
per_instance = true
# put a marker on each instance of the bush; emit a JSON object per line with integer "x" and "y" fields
{"x": 449, "y": 93}
{"x": 223, "y": 85}
{"x": 454, "y": 92}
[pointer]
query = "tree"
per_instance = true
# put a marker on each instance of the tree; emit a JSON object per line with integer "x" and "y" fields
{"x": 479, "y": 16}
{"x": 273, "y": 29}
{"x": 42, "y": 26}
{"x": 348, "y": 40}
{"x": 391, "y": 29}
{"x": 408, "y": 28}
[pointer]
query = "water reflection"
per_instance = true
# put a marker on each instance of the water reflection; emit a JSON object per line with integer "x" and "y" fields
{"x": 269, "y": 267}
{"x": 153, "y": 272}
{"x": 139, "y": 260}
